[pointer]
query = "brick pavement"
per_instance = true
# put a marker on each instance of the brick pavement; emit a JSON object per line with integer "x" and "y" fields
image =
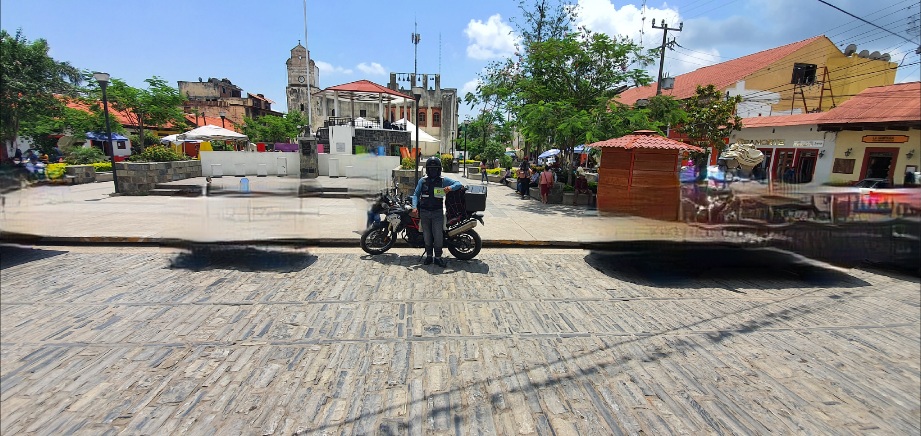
{"x": 97, "y": 340}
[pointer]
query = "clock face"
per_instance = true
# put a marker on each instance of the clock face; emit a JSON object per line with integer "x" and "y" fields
{"x": 301, "y": 79}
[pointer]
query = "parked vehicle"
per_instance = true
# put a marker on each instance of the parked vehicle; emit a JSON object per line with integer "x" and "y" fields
{"x": 464, "y": 207}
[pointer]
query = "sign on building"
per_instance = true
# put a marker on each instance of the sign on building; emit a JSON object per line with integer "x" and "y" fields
{"x": 888, "y": 139}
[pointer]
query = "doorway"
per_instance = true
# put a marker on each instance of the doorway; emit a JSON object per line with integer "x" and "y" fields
{"x": 879, "y": 163}
{"x": 805, "y": 165}
{"x": 783, "y": 160}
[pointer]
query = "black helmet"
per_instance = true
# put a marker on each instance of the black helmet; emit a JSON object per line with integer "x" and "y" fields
{"x": 433, "y": 167}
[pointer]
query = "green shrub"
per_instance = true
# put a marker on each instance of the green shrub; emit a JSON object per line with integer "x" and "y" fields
{"x": 102, "y": 166}
{"x": 568, "y": 188}
{"x": 55, "y": 170}
{"x": 505, "y": 161}
{"x": 494, "y": 171}
{"x": 84, "y": 156}
{"x": 447, "y": 161}
{"x": 408, "y": 163}
{"x": 593, "y": 186}
{"x": 158, "y": 153}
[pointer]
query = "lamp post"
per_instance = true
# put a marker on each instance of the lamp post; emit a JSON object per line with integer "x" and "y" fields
{"x": 103, "y": 80}
{"x": 417, "y": 93}
{"x": 222, "y": 114}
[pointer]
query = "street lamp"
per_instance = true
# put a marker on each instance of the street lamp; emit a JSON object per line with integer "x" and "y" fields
{"x": 417, "y": 93}
{"x": 103, "y": 80}
{"x": 222, "y": 114}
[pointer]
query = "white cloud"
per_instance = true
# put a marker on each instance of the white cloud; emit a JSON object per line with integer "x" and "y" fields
{"x": 602, "y": 16}
{"x": 328, "y": 68}
{"x": 490, "y": 40}
{"x": 468, "y": 87}
{"x": 374, "y": 69}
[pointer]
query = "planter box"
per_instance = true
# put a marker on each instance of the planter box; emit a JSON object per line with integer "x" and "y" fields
{"x": 406, "y": 180}
{"x": 584, "y": 200}
{"x": 79, "y": 174}
{"x": 138, "y": 178}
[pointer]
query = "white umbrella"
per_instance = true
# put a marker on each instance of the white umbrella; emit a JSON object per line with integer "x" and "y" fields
{"x": 169, "y": 139}
{"x": 211, "y": 133}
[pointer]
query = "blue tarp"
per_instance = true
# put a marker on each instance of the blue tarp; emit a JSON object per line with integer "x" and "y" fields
{"x": 101, "y": 136}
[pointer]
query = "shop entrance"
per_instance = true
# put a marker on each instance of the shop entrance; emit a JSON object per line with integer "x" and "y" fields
{"x": 805, "y": 165}
{"x": 879, "y": 163}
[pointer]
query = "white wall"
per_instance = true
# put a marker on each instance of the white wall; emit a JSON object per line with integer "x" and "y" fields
{"x": 250, "y": 161}
{"x": 362, "y": 165}
{"x": 798, "y": 137}
{"x": 343, "y": 135}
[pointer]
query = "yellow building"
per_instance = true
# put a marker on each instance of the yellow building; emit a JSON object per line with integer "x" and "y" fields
{"x": 812, "y": 75}
{"x": 878, "y": 134}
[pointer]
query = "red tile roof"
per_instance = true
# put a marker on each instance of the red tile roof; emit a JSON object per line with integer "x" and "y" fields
{"x": 120, "y": 116}
{"x": 721, "y": 75}
{"x": 782, "y": 120}
{"x": 880, "y": 104}
{"x": 366, "y": 86}
{"x": 214, "y": 121}
{"x": 259, "y": 97}
{"x": 645, "y": 139}
{"x": 899, "y": 103}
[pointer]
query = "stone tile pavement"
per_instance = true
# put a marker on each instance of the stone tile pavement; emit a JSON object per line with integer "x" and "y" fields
{"x": 250, "y": 340}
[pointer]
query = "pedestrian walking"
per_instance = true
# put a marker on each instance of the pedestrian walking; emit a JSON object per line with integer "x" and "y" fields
{"x": 546, "y": 183}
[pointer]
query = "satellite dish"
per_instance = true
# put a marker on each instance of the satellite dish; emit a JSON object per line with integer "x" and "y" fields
{"x": 851, "y": 49}
{"x": 886, "y": 57}
{"x": 864, "y": 54}
{"x": 875, "y": 55}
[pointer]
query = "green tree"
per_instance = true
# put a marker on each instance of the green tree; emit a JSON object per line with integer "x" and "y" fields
{"x": 29, "y": 82}
{"x": 156, "y": 106}
{"x": 561, "y": 85}
{"x": 710, "y": 119}
{"x": 272, "y": 129}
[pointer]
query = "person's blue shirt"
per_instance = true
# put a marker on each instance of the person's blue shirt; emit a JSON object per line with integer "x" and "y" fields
{"x": 445, "y": 183}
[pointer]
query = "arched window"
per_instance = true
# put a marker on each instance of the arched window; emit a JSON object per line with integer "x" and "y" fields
{"x": 421, "y": 119}
{"x": 436, "y": 119}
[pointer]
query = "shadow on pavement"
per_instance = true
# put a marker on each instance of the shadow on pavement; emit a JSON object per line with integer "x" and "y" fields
{"x": 12, "y": 255}
{"x": 246, "y": 259}
{"x": 413, "y": 261}
{"x": 730, "y": 267}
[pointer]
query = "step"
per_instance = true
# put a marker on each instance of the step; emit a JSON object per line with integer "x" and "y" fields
{"x": 166, "y": 192}
{"x": 327, "y": 194}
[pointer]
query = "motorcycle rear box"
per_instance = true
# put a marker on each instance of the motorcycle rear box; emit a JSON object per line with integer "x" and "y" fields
{"x": 475, "y": 198}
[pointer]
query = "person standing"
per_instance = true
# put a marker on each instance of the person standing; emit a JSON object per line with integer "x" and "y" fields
{"x": 483, "y": 178}
{"x": 428, "y": 202}
{"x": 524, "y": 180}
{"x": 546, "y": 183}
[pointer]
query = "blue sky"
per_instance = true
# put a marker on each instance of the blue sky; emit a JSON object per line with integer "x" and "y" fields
{"x": 248, "y": 41}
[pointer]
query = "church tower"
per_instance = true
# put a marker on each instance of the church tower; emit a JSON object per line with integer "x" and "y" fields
{"x": 296, "y": 91}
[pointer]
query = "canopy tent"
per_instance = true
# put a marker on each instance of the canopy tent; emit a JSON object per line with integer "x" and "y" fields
{"x": 548, "y": 153}
{"x": 411, "y": 128}
{"x": 211, "y": 133}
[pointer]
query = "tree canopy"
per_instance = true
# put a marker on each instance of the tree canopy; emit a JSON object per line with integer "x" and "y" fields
{"x": 270, "y": 128}
{"x": 560, "y": 85}
{"x": 29, "y": 82}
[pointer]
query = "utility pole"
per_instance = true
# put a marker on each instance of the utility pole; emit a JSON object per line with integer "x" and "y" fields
{"x": 307, "y": 49}
{"x": 665, "y": 30}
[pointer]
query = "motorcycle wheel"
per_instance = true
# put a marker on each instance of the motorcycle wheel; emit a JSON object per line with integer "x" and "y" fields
{"x": 465, "y": 246}
{"x": 377, "y": 239}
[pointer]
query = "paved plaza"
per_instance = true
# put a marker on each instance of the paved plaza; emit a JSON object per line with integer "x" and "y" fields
{"x": 282, "y": 341}
{"x": 274, "y": 211}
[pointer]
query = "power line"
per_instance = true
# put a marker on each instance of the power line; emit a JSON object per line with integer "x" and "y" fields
{"x": 865, "y": 21}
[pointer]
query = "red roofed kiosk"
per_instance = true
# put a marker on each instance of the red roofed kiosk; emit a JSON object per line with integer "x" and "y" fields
{"x": 639, "y": 175}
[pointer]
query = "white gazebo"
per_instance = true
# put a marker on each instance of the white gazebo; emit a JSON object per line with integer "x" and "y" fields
{"x": 365, "y": 91}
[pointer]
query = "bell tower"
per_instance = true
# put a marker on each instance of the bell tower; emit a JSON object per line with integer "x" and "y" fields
{"x": 296, "y": 91}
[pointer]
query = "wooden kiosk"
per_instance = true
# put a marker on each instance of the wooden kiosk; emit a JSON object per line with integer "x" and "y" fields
{"x": 638, "y": 175}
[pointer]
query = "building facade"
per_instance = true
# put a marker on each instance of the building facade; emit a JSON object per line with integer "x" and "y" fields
{"x": 876, "y": 134}
{"x": 210, "y": 98}
{"x": 437, "y": 114}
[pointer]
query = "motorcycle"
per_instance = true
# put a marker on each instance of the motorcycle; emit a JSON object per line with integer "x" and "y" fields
{"x": 459, "y": 238}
